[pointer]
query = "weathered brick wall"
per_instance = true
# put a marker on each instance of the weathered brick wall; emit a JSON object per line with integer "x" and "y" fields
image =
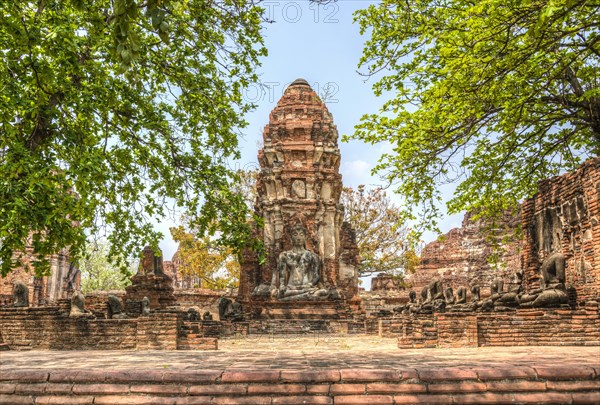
{"x": 565, "y": 216}
{"x": 413, "y": 333}
{"x": 63, "y": 279}
{"x": 50, "y": 327}
{"x": 457, "y": 330}
{"x": 287, "y": 327}
{"x": 523, "y": 327}
{"x": 375, "y": 301}
{"x": 158, "y": 331}
{"x": 204, "y": 299}
{"x": 313, "y": 310}
{"x": 97, "y": 301}
{"x": 229, "y": 328}
{"x": 460, "y": 257}
{"x": 385, "y": 282}
{"x": 541, "y": 328}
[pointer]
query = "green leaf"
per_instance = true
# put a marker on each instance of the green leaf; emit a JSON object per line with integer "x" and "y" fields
{"x": 115, "y": 127}
{"x": 499, "y": 98}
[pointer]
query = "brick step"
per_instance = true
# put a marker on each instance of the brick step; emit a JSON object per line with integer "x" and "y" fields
{"x": 499, "y": 384}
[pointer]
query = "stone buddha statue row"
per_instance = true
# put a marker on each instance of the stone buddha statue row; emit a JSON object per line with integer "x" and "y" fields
{"x": 113, "y": 305}
{"x": 551, "y": 293}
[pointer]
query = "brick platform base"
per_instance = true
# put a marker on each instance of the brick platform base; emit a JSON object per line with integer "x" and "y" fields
{"x": 511, "y": 384}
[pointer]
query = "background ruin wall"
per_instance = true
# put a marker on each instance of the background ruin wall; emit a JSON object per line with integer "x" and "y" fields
{"x": 460, "y": 257}
{"x": 62, "y": 280}
{"x": 564, "y": 216}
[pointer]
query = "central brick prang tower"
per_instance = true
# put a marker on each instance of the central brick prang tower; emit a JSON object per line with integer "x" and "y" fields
{"x": 300, "y": 183}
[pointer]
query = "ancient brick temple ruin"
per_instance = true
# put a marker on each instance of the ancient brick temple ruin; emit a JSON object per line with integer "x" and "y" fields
{"x": 299, "y": 188}
{"x": 151, "y": 282}
{"x": 64, "y": 278}
{"x": 544, "y": 289}
{"x": 461, "y": 256}
{"x": 548, "y": 284}
{"x": 564, "y": 216}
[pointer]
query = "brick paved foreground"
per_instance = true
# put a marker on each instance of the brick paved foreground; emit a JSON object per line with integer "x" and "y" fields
{"x": 308, "y": 352}
{"x": 329, "y": 370}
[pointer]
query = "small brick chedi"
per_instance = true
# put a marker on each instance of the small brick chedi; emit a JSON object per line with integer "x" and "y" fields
{"x": 311, "y": 263}
{"x": 151, "y": 283}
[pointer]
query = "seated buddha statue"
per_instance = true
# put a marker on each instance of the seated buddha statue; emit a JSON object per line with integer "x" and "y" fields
{"x": 552, "y": 291}
{"x": 298, "y": 271}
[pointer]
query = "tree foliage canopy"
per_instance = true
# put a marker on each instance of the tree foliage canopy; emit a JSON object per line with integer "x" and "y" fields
{"x": 98, "y": 274}
{"x": 113, "y": 110}
{"x": 493, "y": 95}
{"x": 216, "y": 267}
{"x": 380, "y": 235}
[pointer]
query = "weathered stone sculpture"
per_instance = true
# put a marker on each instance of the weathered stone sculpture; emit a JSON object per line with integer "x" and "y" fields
{"x": 461, "y": 295}
{"x": 412, "y": 302}
{"x": 298, "y": 271}
{"x": 224, "y": 304}
{"x": 461, "y": 301}
{"x": 412, "y": 297}
{"x": 230, "y": 311}
{"x": 78, "y": 305}
{"x": 423, "y": 295}
{"x": 193, "y": 315}
{"x": 237, "y": 313}
{"x": 115, "y": 308}
{"x": 475, "y": 298}
{"x": 145, "y": 306}
{"x": 475, "y": 293}
{"x": 20, "y": 295}
{"x": 423, "y": 305}
{"x": 496, "y": 291}
{"x": 435, "y": 291}
{"x": 511, "y": 298}
{"x": 435, "y": 298}
{"x": 449, "y": 296}
{"x": 299, "y": 184}
{"x": 552, "y": 291}
{"x": 207, "y": 316}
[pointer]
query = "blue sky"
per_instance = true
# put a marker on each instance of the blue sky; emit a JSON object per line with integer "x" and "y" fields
{"x": 322, "y": 45}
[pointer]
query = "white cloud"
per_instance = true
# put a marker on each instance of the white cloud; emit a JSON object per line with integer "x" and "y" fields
{"x": 356, "y": 172}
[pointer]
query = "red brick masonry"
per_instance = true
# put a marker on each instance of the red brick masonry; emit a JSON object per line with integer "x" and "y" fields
{"x": 523, "y": 327}
{"x": 51, "y": 328}
{"x": 510, "y": 384}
